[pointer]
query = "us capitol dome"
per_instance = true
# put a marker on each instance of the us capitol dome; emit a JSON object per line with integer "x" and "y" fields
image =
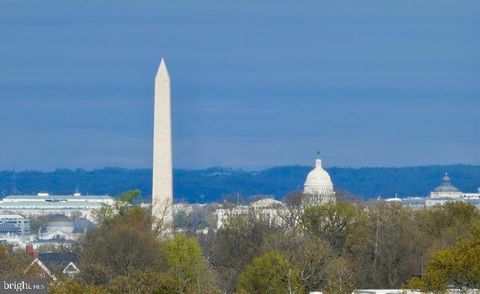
{"x": 318, "y": 187}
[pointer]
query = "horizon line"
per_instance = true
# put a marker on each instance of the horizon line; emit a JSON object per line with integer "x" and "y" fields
{"x": 267, "y": 167}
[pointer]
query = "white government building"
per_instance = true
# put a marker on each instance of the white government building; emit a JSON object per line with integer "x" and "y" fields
{"x": 61, "y": 228}
{"x": 76, "y": 205}
{"x": 318, "y": 190}
{"x": 268, "y": 209}
{"x": 69, "y": 217}
{"x": 444, "y": 193}
{"x": 447, "y": 192}
{"x": 318, "y": 187}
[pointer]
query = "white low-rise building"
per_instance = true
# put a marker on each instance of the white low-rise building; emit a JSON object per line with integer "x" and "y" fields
{"x": 14, "y": 229}
{"x": 415, "y": 202}
{"x": 268, "y": 209}
{"x": 14, "y": 224}
{"x": 187, "y": 208}
{"x": 77, "y": 205}
{"x": 62, "y": 228}
{"x": 444, "y": 193}
{"x": 447, "y": 192}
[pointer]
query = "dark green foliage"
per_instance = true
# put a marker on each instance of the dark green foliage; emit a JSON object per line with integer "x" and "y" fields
{"x": 38, "y": 222}
{"x": 458, "y": 265}
{"x": 338, "y": 247}
{"x": 334, "y": 248}
{"x": 331, "y": 222}
{"x": 270, "y": 273}
{"x": 124, "y": 255}
{"x": 12, "y": 265}
{"x": 119, "y": 245}
{"x": 236, "y": 245}
{"x": 389, "y": 245}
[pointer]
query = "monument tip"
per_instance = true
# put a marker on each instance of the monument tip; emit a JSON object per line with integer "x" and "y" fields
{"x": 162, "y": 73}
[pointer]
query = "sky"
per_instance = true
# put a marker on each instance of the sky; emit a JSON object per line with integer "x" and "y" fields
{"x": 255, "y": 84}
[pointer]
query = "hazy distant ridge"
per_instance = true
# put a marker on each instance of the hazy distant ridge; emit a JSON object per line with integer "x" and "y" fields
{"x": 213, "y": 183}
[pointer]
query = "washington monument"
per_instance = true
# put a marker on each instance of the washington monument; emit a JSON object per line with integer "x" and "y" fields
{"x": 162, "y": 182}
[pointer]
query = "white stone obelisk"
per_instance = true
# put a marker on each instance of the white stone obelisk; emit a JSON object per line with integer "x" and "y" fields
{"x": 162, "y": 182}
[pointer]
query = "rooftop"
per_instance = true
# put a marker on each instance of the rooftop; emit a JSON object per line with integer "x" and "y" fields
{"x": 45, "y": 196}
{"x": 11, "y": 216}
{"x": 446, "y": 185}
{"x": 46, "y": 204}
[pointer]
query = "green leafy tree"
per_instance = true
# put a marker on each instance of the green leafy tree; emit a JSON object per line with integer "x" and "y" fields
{"x": 340, "y": 275}
{"x": 38, "y": 222}
{"x": 145, "y": 282}
{"x": 447, "y": 223}
{"x": 457, "y": 266}
{"x": 236, "y": 244}
{"x": 309, "y": 254}
{"x": 122, "y": 204}
{"x": 312, "y": 257}
{"x": 182, "y": 220}
{"x": 71, "y": 286}
{"x": 270, "y": 273}
{"x": 388, "y": 247}
{"x": 187, "y": 264}
{"x": 124, "y": 255}
{"x": 331, "y": 222}
{"x": 12, "y": 265}
{"x": 119, "y": 245}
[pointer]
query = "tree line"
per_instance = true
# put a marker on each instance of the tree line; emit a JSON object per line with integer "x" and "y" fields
{"x": 333, "y": 248}
{"x": 208, "y": 185}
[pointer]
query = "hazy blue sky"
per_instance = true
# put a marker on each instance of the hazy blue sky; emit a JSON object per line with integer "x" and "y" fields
{"x": 255, "y": 83}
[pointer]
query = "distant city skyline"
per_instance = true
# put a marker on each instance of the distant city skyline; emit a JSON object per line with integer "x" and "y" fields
{"x": 253, "y": 84}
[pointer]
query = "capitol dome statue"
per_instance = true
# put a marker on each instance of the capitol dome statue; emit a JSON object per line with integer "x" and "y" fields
{"x": 318, "y": 187}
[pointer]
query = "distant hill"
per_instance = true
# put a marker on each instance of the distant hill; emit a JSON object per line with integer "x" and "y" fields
{"x": 214, "y": 183}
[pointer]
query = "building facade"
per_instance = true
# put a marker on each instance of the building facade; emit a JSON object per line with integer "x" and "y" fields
{"x": 14, "y": 225}
{"x": 45, "y": 204}
{"x": 447, "y": 192}
{"x": 443, "y": 193}
{"x": 267, "y": 209}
